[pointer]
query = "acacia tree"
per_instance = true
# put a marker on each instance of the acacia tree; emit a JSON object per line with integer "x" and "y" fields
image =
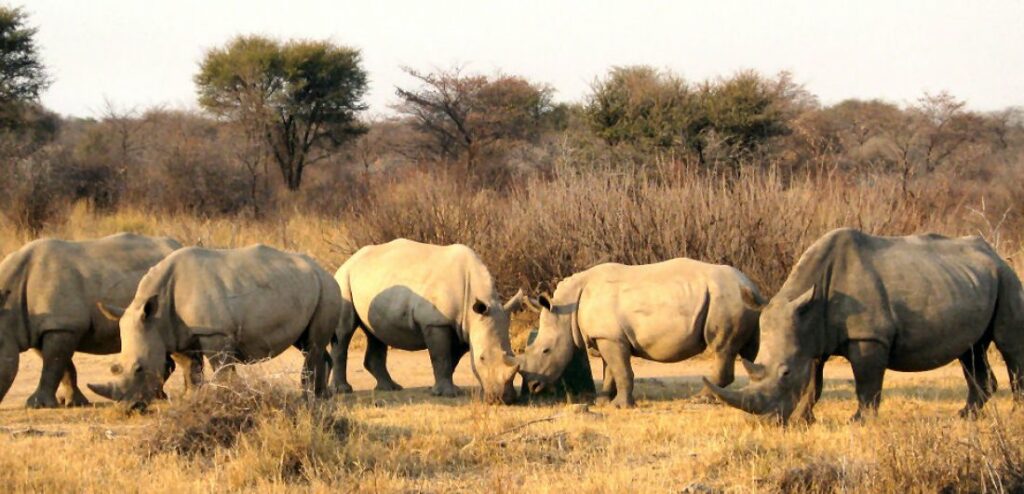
{"x": 465, "y": 113}
{"x": 22, "y": 79}
{"x": 296, "y": 98}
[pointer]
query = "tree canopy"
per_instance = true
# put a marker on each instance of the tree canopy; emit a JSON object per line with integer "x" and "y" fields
{"x": 296, "y": 97}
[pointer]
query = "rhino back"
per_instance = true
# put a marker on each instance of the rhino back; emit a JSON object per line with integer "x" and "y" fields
{"x": 402, "y": 285}
{"x": 928, "y": 297}
{"x": 262, "y": 297}
{"x": 61, "y": 282}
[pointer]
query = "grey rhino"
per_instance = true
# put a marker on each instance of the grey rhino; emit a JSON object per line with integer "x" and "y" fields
{"x": 903, "y": 303}
{"x": 239, "y": 305}
{"x": 666, "y": 312}
{"x": 48, "y": 292}
{"x": 411, "y": 296}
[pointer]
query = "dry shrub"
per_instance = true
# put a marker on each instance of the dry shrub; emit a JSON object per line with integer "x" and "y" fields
{"x": 254, "y": 415}
{"x": 550, "y": 228}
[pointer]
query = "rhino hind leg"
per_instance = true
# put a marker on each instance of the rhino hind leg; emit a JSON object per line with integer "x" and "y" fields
{"x": 69, "y": 394}
{"x": 616, "y": 356}
{"x": 869, "y": 360}
{"x": 440, "y": 343}
{"x": 376, "y": 361}
{"x": 981, "y": 382}
{"x": 9, "y": 357}
{"x": 56, "y": 349}
{"x": 608, "y": 388}
{"x": 339, "y": 360}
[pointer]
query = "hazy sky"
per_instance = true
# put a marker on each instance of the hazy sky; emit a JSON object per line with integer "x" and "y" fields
{"x": 144, "y": 52}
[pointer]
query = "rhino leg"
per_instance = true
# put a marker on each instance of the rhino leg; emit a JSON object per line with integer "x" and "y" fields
{"x": 9, "y": 357}
{"x": 191, "y": 364}
{"x": 376, "y": 361}
{"x": 616, "y": 356}
{"x": 981, "y": 382}
{"x": 69, "y": 395}
{"x": 339, "y": 358}
{"x": 439, "y": 346}
{"x": 314, "y": 372}
{"x": 607, "y": 384}
{"x": 56, "y": 350}
{"x": 869, "y": 360}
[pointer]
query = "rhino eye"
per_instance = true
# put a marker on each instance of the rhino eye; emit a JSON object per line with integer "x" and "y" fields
{"x": 546, "y": 350}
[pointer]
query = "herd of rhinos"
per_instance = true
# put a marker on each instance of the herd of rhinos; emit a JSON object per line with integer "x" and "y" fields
{"x": 903, "y": 303}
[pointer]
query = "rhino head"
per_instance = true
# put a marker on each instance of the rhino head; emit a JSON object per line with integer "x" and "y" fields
{"x": 491, "y": 352}
{"x": 139, "y": 374}
{"x": 547, "y": 357}
{"x": 782, "y": 378}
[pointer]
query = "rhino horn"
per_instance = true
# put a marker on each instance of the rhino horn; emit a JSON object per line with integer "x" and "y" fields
{"x": 515, "y": 304}
{"x": 755, "y": 371}
{"x": 108, "y": 391}
{"x": 754, "y": 403}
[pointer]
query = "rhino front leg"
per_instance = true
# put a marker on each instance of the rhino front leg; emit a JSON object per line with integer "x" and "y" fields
{"x": 56, "y": 350}
{"x": 339, "y": 357}
{"x": 723, "y": 374}
{"x": 869, "y": 360}
{"x": 191, "y": 364}
{"x": 376, "y": 361}
{"x": 69, "y": 395}
{"x": 616, "y": 356}
{"x": 9, "y": 357}
{"x": 440, "y": 345}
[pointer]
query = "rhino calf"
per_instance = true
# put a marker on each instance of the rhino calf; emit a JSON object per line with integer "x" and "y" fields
{"x": 48, "y": 294}
{"x": 239, "y": 305}
{"x": 904, "y": 303}
{"x": 416, "y": 296}
{"x": 666, "y": 312}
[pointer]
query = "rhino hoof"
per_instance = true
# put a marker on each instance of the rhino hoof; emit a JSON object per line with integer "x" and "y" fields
{"x": 969, "y": 412}
{"x": 341, "y": 389}
{"x": 38, "y": 400}
{"x": 623, "y": 403}
{"x": 388, "y": 386}
{"x": 77, "y": 399}
{"x": 446, "y": 391}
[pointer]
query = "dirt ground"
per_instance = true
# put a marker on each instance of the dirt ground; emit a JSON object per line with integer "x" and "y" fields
{"x": 412, "y": 370}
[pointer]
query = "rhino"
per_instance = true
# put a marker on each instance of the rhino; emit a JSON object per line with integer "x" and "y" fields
{"x": 232, "y": 306}
{"x": 48, "y": 292}
{"x": 665, "y": 312}
{"x": 416, "y": 296}
{"x": 904, "y": 303}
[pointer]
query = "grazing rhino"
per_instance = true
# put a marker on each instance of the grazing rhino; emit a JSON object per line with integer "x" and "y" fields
{"x": 48, "y": 292}
{"x": 666, "y": 312}
{"x": 239, "y": 305}
{"x": 412, "y": 296}
{"x": 903, "y": 303}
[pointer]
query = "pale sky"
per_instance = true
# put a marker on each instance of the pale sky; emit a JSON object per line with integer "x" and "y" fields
{"x": 143, "y": 52}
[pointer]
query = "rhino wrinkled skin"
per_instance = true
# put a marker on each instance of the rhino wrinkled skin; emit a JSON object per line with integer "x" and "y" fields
{"x": 416, "y": 296}
{"x": 665, "y": 312}
{"x": 904, "y": 303}
{"x": 232, "y": 306}
{"x": 48, "y": 294}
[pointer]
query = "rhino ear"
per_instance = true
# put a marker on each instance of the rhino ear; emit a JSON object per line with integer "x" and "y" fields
{"x": 110, "y": 312}
{"x": 803, "y": 302}
{"x": 545, "y": 301}
{"x": 151, "y": 306}
{"x": 751, "y": 299}
{"x": 479, "y": 307}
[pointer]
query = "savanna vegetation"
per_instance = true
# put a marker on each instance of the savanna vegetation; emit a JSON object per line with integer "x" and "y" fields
{"x": 746, "y": 169}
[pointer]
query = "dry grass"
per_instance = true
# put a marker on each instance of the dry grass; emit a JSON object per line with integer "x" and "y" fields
{"x": 399, "y": 443}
